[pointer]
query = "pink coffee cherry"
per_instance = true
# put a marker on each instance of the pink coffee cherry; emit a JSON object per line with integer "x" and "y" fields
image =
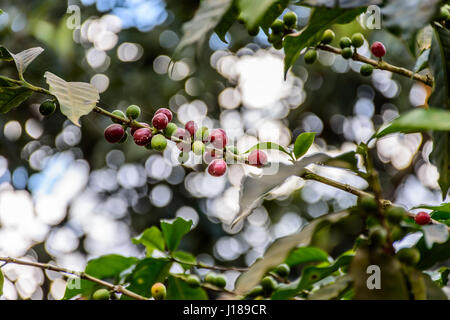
{"x": 160, "y": 121}
{"x": 142, "y": 136}
{"x": 422, "y": 218}
{"x": 183, "y": 134}
{"x": 257, "y": 158}
{"x": 133, "y": 130}
{"x": 218, "y": 138}
{"x": 165, "y": 111}
{"x": 114, "y": 133}
{"x": 378, "y": 49}
{"x": 209, "y": 156}
{"x": 217, "y": 167}
{"x": 191, "y": 127}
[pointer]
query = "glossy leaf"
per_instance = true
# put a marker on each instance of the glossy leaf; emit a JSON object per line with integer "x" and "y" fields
{"x": 227, "y": 21}
{"x": 188, "y": 259}
{"x": 178, "y": 289}
{"x": 253, "y": 11}
{"x": 333, "y": 290}
{"x": 422, "y": 61}
{"x": 321, "y": 19}
{"x": 268, "y": 146}
{"x": 303, "y": 142}
{"x": 174, "y": 230}
{"x": 306, "y": 255}
{"x": 12, "y": 97}
{"x": 75, "y": 99}
{"x": 152, "y": 238}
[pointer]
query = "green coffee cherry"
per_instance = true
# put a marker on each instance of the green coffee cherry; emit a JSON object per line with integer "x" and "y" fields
{"x": 409, "y": 256}
{"x": 278, "y": 45}
{"x": 253, "y": 31}
{"x": 444, "y": 13}
{"x": 378, "y": 236}
{"x": 368, "y": 203}
{"x": 210, "y": 277}
{"x": 366, "y": 70}
{"x": 282, "y": 270}
{"x": 202, "y": 134}
{"x": 133, "y": 112}
{"x": 170, "y": 129}
{"x": 124, "y": 138}
{"x": 47, "y": 107}
{"x": 101, "y": 294}
{"x": 327, "y": 36}
{"x": 310, "y": 56}
{"x": 290, "y": 20}
{"x": 119, "y": 114}
{"x": 256, "y": 291}
{"x": 183, "y": 157}
{"x": 277, "y": 26}
{"x": 397, "y": 233}
{"x": 159, "y": 142}
{"x": 395, "y": 215}
{"x": 347, "y": 53}
{"x": 275, "y": 38}
{"x": 345, "y": 42}
{"x": 198, "y": 148}
{"x": 268, "y": 284}
{"x": 193, "y": 281}
{"x": 159, "y": 291}
{"x": 357, "y": 40}
{"x": 220, "y": 281}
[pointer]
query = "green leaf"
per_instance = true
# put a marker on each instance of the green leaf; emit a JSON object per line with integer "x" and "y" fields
{"x": 347, "y": 160}
{"x": 227, "y": 21}
{"x": 418, "y": 120}
{"x": 178, "y": 289}
{"x": 175, "y": 230}
{"x": 321, "y": 19}
{"x": 147, "y": 272}
{"x": 422, "y": 61}
{"x": 22, "y": 59}
{"x": 152, "y": 238}
{"x": 303, "y": 143}
{"x": 253, "y": 12}
{"x": 12, "y": 97}
{"x": 186, "y": 259}
{"x": 279, "y": 251}
{"x": 333, "y": 290}
{"x": 430, "y": 256}
{"x": 105, "y": 267}
{"x": 439, "y": 63}
{"x": 75, "y": 99}
{"x": 207, "y": 17}
{"x": 306, "y": 255}
{"x": 268, "y": 146}
{"x": 2, "y": 281}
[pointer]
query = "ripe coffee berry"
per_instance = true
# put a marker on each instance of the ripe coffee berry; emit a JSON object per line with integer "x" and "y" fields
{"x": 133, "y": 112}
{"x": 345, "y": 42}
{"x": 378, "y": 49}
{"x": 366, "y": 70}
{"x": 159, "y": 291}
{"x": 257, "y": 158}
{"x": 357, "y": 40}
{"x": 422, "y": 218}
{"x": 211, "y": 155}
{"x": 290, "y": 19}
{"x": 133, "y": 130}
{"x": 217, "y": 167}
{"x": 160, "y": 121}
{"x": 310, "y": 56}
{"x": 191, "y": 127}
{"x": 185, "y": 144}
{"x": 347, "y": 53}
{"x": 114, "y": 133}
{"x": 165, "y": 111}
{"x": 47, "y": 107}
{"x": 277, "y": 26}
{"x": 328, "y": 36}
{"x": 142, "y": 136}
{"x": 159, "y": 142}
{"x": 218, "y": 138}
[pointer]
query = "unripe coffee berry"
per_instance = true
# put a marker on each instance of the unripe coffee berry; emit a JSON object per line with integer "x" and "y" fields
{"x": 210, "y": 277}
{"x": 217, "y": 167}
{"x": 159, "y": 291}
{"x": 101, "y": 294}
{"x": 347, "y": 53}
{"x": 160, "y": 121}
{"x": 282, "y": 270}
{"x": 202, "y": 134}
{"x": 409, "y": 256}
{"x": 120, "y": 114}
{"x": 290, "y": 20}
{"x": 310, "y": 56}
{"x": 366, "y": 70}
{"x": 327, "y": 36}
{"x": 159, "y": 142}
{"x": 257, "y": 158}
{"x": 183, "y": 157}
{"x": 165, "y": 111}
{"x": 191, "y": 127}
{"x": 422, "y": 218}
{"x": 395, "y": 215}
{"x": 345, "y": 42}
{"x": 278, "y": 45}
{"x": 133, "y": 112}
{"x": 378, "y": 49}
{"x": 275, "y": 38}
{"x": 198, "y": 148}
{"x": 253, "y": 31}
{"x": 47, "y": 107}
{"x": 114, "y": 133}
{"x": 256, "y": 291}
{"x": 142, "y": 136}
{"x": 378, "y": 236}
{"x": 357, "y": 40}
{"x": 170, "y": 129}
{"x": 220, "y": 281}
{"x": 368, "y": 203}
{"x": 193, "y": 281}
{"x": 277, "y": 26}
{"x": 268, "y": 284}
{"x": 218, "y": 138}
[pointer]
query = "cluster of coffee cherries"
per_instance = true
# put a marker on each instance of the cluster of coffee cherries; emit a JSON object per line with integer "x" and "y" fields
{"x": 268, "y": 284}
{"x": 211, "y": 144}
{"x": 346, "y": 44}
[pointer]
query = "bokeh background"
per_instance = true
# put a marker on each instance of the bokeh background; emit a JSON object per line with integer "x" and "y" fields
{"x": 66, "y": 195}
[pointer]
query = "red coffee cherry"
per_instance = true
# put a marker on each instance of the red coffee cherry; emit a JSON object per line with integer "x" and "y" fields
{"x": 182, "y": 134}
{"x": 114, "y": 133}
{"x": 209, "y": 156}
{"x": 257, "y": 158}
{"x": 217, "y": 168}
{"x": 165, "y": 111}
{"x": 422, "y": 218}
{"x": 133, "y": 130}
{"x": 142, "y": 136}
{"x": 378, "y": 49}
{"x": 218, "y": 138}
{"x": 160, "y": 121}
{"x": 191, "y": 127}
